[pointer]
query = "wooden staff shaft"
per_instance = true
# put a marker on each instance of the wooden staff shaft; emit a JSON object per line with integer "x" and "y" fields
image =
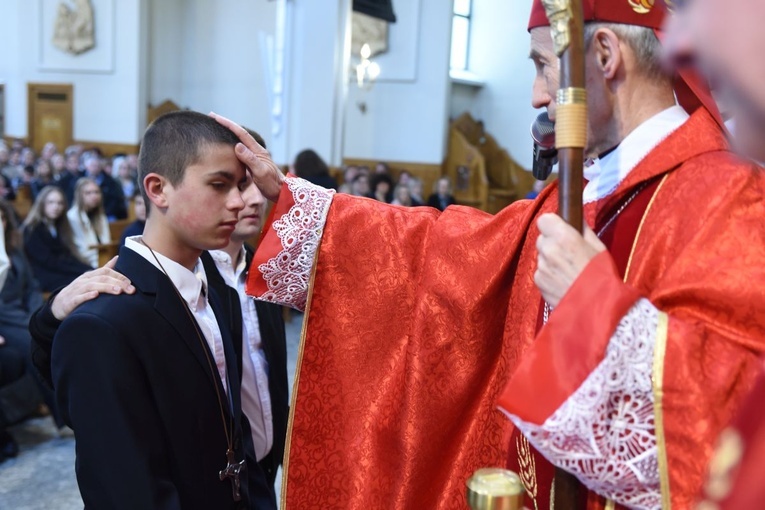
{"x": 571, "y": 164}
{"x": 571, "y": 159}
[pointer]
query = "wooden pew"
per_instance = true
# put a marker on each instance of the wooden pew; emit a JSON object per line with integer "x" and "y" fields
{"x": 23, "y": 202}
{"x": 427, "y": 173}
{"x": 466, "y": 168}
{"x": 505, "y": 180}
{"x": 107, "y": 251}
{"x": 164, "y": 107}
{"x": 117, "y": 227}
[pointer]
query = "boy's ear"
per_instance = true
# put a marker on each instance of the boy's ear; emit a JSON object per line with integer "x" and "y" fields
{"x": 155, "y": 186}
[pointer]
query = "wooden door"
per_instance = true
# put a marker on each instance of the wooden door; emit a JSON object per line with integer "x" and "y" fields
{"x": 50, "y": 115}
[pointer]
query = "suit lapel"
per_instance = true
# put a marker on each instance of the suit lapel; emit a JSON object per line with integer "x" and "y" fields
{"x": 229, "y": 343}
{"x": 170, "y": 305}
{"x": 231, "y": 309}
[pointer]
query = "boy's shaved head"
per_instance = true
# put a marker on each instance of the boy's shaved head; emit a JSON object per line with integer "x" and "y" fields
{"x": 175, "y": 141}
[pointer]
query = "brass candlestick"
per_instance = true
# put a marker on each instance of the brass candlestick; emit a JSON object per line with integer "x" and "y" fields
{"x": 495, "y": 489}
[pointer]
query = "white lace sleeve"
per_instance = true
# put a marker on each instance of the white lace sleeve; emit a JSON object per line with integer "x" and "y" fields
{"x": 604, "y": 433}
{"x": 300, "y": 230}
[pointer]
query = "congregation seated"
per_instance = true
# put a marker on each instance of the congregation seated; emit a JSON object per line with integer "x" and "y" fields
{"x": 20, "y": 297}
{"x": 6, "y": 189}
{"x": 360, "y": 185}
{"x": 381, "y": 186}
{"x": 112, "y": 196}
{"x": 308, "y": 165}
{"x": 48, "y": 241}
{"x": 13, "y": 368}
{"x": 401, "y": 196}
{"x": 58, "y": 165}
{"x": 349, "y": 174}
{"x": 442, "y": 195}
{"x": 135, "y": 228}
{"x": 120, "y": 170}
{"x": 87, "y": 218}
{"x": 5, "y": 156}
{"x": 73, "y": 173}
{"x": 43, "y": 177}
{"x": 414, "y": 185}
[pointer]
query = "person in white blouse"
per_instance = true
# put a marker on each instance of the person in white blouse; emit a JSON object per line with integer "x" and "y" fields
{"x": 88, "y": 220}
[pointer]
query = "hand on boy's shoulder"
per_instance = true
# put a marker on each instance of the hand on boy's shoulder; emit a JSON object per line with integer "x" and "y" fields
{"x": 104, "y": 280}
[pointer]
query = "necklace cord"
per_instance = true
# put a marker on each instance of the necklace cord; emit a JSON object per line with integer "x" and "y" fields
{"x": 226, "y": 429}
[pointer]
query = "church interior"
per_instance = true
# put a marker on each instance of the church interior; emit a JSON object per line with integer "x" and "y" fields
{"x": 418, "y": 89}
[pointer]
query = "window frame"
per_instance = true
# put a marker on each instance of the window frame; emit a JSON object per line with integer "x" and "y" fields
{"x": 468, "y": 18}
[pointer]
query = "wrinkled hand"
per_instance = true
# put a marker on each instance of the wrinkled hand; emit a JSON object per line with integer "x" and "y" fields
{"x": 265, "y": 173}
{"x": 563, "y": 253}
{"x": 104, "y": 280}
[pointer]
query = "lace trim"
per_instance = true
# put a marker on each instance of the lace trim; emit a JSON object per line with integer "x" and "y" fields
{"x": 300, "y": 230}
{"x": 604, "y": 433}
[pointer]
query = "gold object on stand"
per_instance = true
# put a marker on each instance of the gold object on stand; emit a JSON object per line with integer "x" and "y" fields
{"x": 495, "y": 489}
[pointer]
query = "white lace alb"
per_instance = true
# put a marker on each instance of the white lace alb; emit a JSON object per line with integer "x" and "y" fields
{"x": 287, "y": 275}
{"x": 604, "y": 433}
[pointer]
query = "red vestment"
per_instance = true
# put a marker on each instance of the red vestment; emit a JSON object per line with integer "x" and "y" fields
{"x": 735, "y": 472}
{"x": 416, "y": 320}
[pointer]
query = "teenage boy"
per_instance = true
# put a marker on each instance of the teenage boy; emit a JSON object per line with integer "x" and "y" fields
{"x": 263, "y": 352}
{"x": 149, "y": 380}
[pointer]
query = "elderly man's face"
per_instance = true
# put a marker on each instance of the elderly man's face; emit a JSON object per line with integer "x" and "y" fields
{"x": 726, "y": 40}
{"x": 546, "y": 84}
{"x": 547, "y": 70}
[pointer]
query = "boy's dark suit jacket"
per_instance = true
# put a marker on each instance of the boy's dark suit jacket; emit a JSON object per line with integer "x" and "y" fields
{"x": 271, "y": 322}
{"x": 133, "y": 381}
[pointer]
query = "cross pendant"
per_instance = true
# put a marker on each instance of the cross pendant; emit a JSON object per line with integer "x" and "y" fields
{"x": 232, "y": 470}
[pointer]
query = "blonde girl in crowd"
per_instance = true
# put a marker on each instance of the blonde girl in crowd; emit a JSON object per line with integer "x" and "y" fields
{"x": 89, "y": 224}
{"x": 49, "y": 243}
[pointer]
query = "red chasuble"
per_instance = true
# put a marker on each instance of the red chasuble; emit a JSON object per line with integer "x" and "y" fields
{"x": 735, "y": 473}
{"x": 417, "y": 320}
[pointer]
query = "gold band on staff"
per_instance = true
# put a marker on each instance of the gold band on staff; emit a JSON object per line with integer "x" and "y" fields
{"x": 571, "y": 118}
{"x": 495, "y": 489}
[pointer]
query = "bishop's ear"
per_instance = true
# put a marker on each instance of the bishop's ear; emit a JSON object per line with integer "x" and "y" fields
{"x": 156, "y": 189}
{"x": 608, "y": 52}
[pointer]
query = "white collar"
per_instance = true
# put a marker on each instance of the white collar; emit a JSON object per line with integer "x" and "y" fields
{"x": 189, "y": 284}
{"x": 606, "y": 173}
{"x": 223, "y": 260}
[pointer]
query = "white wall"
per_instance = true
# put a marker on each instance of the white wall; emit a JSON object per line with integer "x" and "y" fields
{"x": 209, "y": 55}
{"x": 314, "y": 60}
{"x": 222, "y": 62}
{"x": 166, "y": 55}
{"x": 105, "y": 103}
{"x": 9, "y": 42}
{"x": 499, "y": 50}
{"x": 406, "y": 118}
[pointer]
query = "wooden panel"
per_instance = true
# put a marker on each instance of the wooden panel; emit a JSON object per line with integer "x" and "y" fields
{"x": 107, "y": 252}
{"x": 116, "y": 228}
{"x": 506, "y": 180}
{"x": 166, "y": 106}
{"x": 10, "y": 139}
{"x": 466, "y": 167}
{"x": 49, "y": 114}
{"x": 110, "y": 149}
{"x": 23, "y": 202}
